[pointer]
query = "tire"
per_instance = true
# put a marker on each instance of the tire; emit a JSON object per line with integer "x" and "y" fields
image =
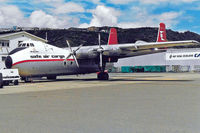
{"x": 99, "y": 76}
{"x": 52, "y": 77}
{"x": 1, "y": 80}
{"x": 105, "y": 76}
{"x": 6, "y": 83}
{"x": 16, "y": 82}
{"x": 102, "y": 76}
{"x": 26, "y": 79}
{"x": 1, "y": 85}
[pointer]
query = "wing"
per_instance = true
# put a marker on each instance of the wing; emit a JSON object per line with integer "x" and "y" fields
{"x": 130, "y": 50}
{"x": 134, "y": 49}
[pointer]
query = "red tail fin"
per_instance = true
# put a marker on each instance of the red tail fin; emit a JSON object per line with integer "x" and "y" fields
{"x": 113, "y": 37}
{"x": 162, "y": 33}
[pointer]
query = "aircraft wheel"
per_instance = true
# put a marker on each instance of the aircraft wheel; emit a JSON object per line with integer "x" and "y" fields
{"x": 102, "y": 76}
{"x": 99, "y": 76}
{"x": 105, "y": 76}
{"x": 16, "y": 82}
{"x": 51, "y": 77}
{"x": 26, "y": 79}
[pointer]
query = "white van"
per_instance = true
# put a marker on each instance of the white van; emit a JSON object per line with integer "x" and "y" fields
{"x": 10, "y": 76}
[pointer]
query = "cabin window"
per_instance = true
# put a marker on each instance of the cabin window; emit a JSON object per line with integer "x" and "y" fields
{"x": 65, "y": 63}
{"x": 8, "y": 45}
{"x": 31, "y": 44}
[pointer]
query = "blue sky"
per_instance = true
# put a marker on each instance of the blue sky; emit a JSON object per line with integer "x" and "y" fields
{"x": 179, "y": 15}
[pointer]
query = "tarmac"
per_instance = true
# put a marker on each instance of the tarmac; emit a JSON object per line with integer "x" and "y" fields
{"x": 127, "y": 103}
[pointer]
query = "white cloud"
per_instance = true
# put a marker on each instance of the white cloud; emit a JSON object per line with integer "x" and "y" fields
{"x": 169, "y": 17}
{"x": 51, "y": 0}
{"x": 166, "y": 1}
{"x": 121, "y": 1}
{"x": 95, "y": 1}
{"x": 142, "y": 18}
{"x": 103, "y": 16}
{"x": 41, "y": 19}
{"x": 68, "y": 8}
{"x": 139, "y": 17}
{"x": 57, "y": 15}
{"x": 11, "y": 15}
{"x": 151, "y": 1}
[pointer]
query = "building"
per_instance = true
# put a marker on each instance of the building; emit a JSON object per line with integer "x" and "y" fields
{"x": 175, "y": 60}
{"x": 10, "y": 41}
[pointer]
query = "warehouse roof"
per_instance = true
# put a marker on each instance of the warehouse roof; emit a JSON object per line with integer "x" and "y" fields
{"x": 5, "y": 36}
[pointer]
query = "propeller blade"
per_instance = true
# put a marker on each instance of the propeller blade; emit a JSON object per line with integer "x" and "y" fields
{"x": 100, "y": 54}
{"x": 99, "y": 40}
{"x": 76, "y": 60}
{"x": 78, "y": 48}
{"x": 69, "y": 46}
{"x": 73, "y": 52}
{"x": 101, "y": 60}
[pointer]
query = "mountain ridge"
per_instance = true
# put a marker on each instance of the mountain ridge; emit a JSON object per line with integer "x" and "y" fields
{"x": 89, "y": 36}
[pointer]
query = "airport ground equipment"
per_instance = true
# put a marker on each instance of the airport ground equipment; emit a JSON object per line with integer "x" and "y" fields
{"x": 9, "y": 76}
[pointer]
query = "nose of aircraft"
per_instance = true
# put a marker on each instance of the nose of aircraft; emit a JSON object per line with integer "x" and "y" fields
{"x": 8, "y": 62}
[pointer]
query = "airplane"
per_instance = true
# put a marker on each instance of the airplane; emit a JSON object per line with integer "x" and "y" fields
{"x": 38, "y": 59}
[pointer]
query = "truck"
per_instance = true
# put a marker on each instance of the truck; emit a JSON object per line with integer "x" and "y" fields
{"x": 8, "y": 76}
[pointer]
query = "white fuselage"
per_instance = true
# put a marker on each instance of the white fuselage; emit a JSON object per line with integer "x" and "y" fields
{"x": 44, "y": 60}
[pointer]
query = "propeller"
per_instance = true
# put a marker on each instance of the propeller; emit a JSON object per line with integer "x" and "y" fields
{"x": 100, "y": 50}
{"x": 73, "y": 52}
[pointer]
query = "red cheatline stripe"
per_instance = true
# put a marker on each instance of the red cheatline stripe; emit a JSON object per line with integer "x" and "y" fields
{"x": 24, "y": 61}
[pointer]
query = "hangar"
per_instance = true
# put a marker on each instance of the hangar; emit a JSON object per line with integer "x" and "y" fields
{"x": 173, "y": 60}
{"x": 10, "y": 41}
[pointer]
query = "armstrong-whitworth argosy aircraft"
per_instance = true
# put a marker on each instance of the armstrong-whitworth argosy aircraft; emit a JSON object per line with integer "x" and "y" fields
{"x": 37, "y": 59}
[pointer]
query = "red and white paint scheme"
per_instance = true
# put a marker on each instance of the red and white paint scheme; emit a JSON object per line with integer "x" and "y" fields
{"x": 162, "y": 36}
{"x": 37, "y": 59}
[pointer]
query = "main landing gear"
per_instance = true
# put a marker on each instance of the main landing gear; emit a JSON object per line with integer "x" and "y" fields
{"x": 51, "y": 77}
{"x": 102, "y": 76}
